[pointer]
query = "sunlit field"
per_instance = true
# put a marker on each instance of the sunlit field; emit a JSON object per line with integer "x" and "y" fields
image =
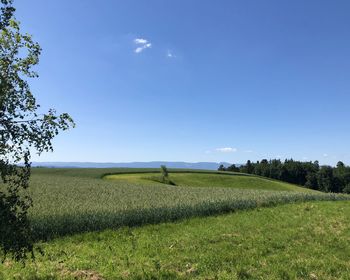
{"x": 128, "y": 224}
{"x": 68, "y": 201}
{"x": 295, "y": 241}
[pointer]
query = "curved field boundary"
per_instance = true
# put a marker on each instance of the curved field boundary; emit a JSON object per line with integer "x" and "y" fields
{"x": 115, "y": 176}
{"x": 68, "y": 224}
{"x": 157, "y": 171}
{"x": 69, "y": 201}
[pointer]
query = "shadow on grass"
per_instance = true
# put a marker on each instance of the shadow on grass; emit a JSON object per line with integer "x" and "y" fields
{"x": 158, "y": 179}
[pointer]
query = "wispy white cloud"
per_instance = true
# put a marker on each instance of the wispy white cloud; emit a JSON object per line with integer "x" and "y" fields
{"x": 226, "y": 150}
{"x": 140, "y": 49}
{"x": 142, "y": 44}
{"x": 140, "y": 41}
{"x": 249, "y": 151}
{"x": 170, "y": 54}
{"x": 325, "y": 155}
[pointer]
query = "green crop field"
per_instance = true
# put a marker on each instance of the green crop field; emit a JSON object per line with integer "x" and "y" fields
{"x": 95, "y": 224}
{"x": 68, "y": 201}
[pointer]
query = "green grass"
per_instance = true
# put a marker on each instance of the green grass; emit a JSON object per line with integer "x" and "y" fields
{"x": 68, "y": 201}
{"x": 217, "y": 180}
{"x": 295, "y": 241}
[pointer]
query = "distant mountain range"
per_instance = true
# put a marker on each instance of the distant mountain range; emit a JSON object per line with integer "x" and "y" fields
{"x": 151, "y": 164}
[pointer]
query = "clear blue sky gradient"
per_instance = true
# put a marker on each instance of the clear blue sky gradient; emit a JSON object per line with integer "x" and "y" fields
{"x": 268, "y": 78}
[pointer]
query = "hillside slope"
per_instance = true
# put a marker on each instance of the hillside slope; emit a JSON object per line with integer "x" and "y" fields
{"x": 210, "y": 179}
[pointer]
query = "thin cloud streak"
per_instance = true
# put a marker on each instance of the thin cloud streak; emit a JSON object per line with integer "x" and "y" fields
{"x": 140, "y": 41}
{"x": 226, "y": 150}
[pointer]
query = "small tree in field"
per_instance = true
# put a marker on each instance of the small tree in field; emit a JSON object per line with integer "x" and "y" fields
{"x": 22, "y": 131}
{"x": 165, "y": 173}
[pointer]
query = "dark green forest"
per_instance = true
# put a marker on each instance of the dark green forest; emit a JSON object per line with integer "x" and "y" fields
{"x": 309, "y": 174}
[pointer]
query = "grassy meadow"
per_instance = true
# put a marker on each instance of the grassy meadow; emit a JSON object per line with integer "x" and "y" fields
{"x": 68, "y": 201}
{"x": 210, "y": 179}
{"x": 126, "y": 224}
{"x": 294, "y": 241}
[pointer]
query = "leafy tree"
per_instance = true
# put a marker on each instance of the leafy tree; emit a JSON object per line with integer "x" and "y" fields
{"x": 248, "y": 168}
{"x": 347, "y": 189}
{"x": 342, "y": 173}
{"x": 325, "y": 179}
{"x": 264, "y": 168}
{"x": 221, "y": 168}
{"x": 232, "y": 168}
{"x": 311, "y": 181}
{"x": 308, "y": 174}
{"x": 165, "y": 173}
{"x": 340, "y": 165}
{"x": 6, "y": 13}
{"x": 275, "y": 166}
{"x": 22, "y": 130}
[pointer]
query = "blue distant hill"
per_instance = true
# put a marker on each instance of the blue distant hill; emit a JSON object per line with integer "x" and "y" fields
{"x": 151, "y": 164}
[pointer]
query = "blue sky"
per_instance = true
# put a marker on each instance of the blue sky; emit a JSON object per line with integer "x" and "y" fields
{"x": 194, "y": 80}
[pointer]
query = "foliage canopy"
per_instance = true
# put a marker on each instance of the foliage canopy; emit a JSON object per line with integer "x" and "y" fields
{"x": 308, "y": 174}
{"x": 22, "y": 130}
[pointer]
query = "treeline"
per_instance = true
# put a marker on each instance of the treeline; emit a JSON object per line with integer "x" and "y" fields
{"x": 308, "y": 174}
